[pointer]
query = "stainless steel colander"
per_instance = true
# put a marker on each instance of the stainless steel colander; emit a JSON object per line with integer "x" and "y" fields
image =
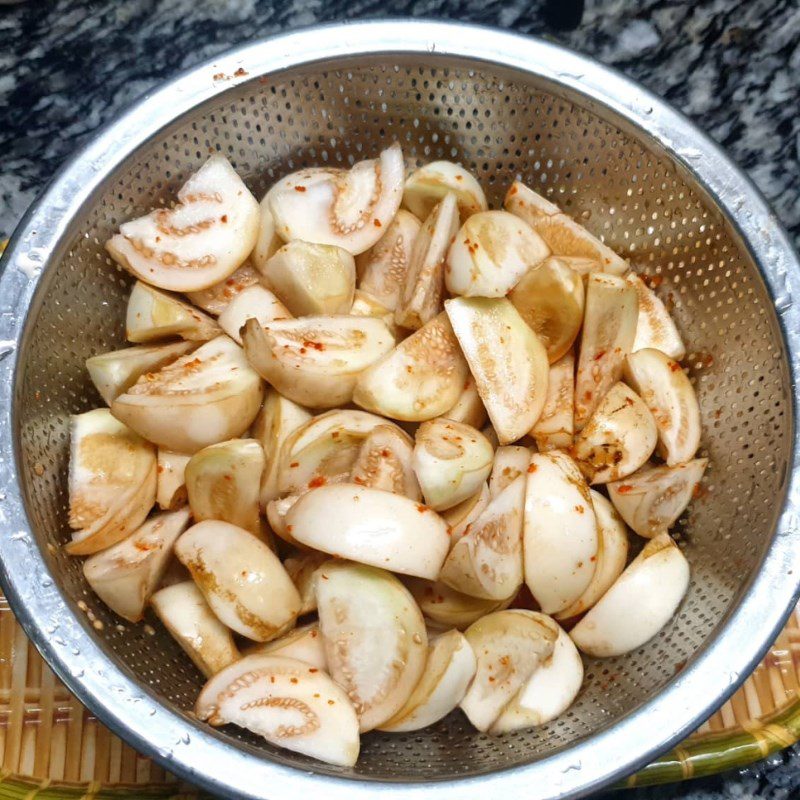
{"x": 616, "y": 158}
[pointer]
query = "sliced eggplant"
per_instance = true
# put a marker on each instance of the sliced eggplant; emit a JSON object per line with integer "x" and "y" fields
{"x": 153, "y": 315}
{"x": 276, "y": 512}
{"x": 491, "y": 252}
{"x": 469, "y": 407}
{"x": 255, "y": 302}
{"x": 312, "y": 278}
{"x": 241, "y": 579}
{"x": 203, "y": 398}
{"x": 347, "y": 208}
{"x": 423, "y": 291}
{"x": 385, "y": 462}
{"x": 555, "y": 427}
{"x": 655, "y": 327}
{"x": 670, "y": 396}
{"x": 186, "y": 615}
{"x": 548, "y": 693}
{"x": 560, "y": 539}
{"x": 374, "y": 636}
{"x": 301, "y": 568}
{"x": 382, "y": 269}
{"x": 451, "y": 461}
{"x": 303, "y": 643}
{"x": 171, "y": 482}
{"x": 639, "y": 603}
{"x": 421, "y": 378}
{"x": 112, "y": 481}
{"x": 115, "y": 372}
{"x": 446, "y": 607}
{"x": 510, "y": 462}
{"x": 223, "y": 482}
{"x": 449, "y": 668}
{"x": 426, "y": 186}
{"x": 127, "y": 573}
{"x": 198, "y": 242}
{"x": 507, "y": 361}
{"x": 651, "y": 499}
{"x": 371, "y": 526}
{"x": 315, "y": 361}
{"x": 612, "y": 555}
{"x": 563, "y": 235}
{"x": 291, "y": 704}
{"x": 218, "y": 297}
{"x": 509, "y": 646}
{"x": 618, "y": 438}
{"x": 459, "y": 517}
{"x": 550, "y": 299}
{"x": 487, "y": 561}
{"x": 609, "y": 328}
{"x": 324, "y": 449}
{"x": 268, "y": 240}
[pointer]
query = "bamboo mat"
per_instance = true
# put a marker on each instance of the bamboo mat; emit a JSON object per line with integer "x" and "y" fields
{"x": 48, "y": 739}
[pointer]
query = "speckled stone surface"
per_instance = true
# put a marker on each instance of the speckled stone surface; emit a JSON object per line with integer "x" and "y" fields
{"x": 66, "y": 67}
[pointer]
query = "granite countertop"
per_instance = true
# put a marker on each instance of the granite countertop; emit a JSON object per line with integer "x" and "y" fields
{"x": 66, "y": 67}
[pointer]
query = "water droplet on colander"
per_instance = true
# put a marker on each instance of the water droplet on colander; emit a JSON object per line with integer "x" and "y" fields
{"x": 19, "y": 536}
{"x": 185, "y": 739}
{"x": 573, "y": 767}
{"x": 46, "y": 581}
{"x": 6, "y": 346}
{"x": 78, "y": 673}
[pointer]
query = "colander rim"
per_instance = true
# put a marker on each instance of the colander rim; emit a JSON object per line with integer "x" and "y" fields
{"x": 198, "y": 754}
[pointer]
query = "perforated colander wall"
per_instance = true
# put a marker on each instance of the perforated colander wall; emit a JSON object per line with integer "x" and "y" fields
{"x": 500, "y": 127}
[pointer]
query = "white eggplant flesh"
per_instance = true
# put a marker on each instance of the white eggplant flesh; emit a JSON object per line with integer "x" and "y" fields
{"x": 423, "y": 291}
{"x": 324, "y": 449}
{"x": 347, "y": 208}
{"x": 385, "y": 462}
{"x": 276, "y": 512}
{"x": 655, "y": 327}
{"x": 241, "y": 578}
{"x": 550, "y": 298}
{"x": 609, "y": 328}
{"x": 459, "y": 517}
{"x": 198, "y": 242}
{"x": 382, "y": 269}
{"x": 127, "y": 573}
{"x": 315, "y": 361}
{"x": 639, "y": 603}
{"x": 469, "y": 407}
{"x": 372, "y": 527}
{"x": 451, "y": 461}
{"x": 508, "y": 646}
{"x": 618, "y": 438}
{"x": 612, "y": 555}
{"x": 218, "y": 297}
{"x": 301, "y": 568}
{"x": 171, "y": 482}
{"x": 670, "y": 396}
{"x": 427, "y": 185}
{"x": 223, "y": 482}
{"x": 491, "y": 252}
{"x": 421, "y": 378}
{"x": 185, "y": 614}
{"x": 256, "y": 303}
{"x": 507, "y": 361}
{"x": 112, "y": 481}
{"x": 563, "y": 235}
{"x": 446, "y": 608}
{"x": 510, "y": 462}
{"x": 560, "y": 539}
{"x": 268, "y": 241}
{"x": 291, "y": 704}
{"x": 555, "y": 427}
{"x": 312, "y": 279}
{"x": 153, "y": 315}
{"x": 303, "y": 643}
{"x": 548, "y": 693}
{"x": 449, "y": 669}
{"x": 487, "y": 561}
{"x": 205, "y": 397}
{"x": 115, "y": 372}
{"x": 374, "y": 636}
{"x": 652, "y": 499}
{"x": 278, "y": 419}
